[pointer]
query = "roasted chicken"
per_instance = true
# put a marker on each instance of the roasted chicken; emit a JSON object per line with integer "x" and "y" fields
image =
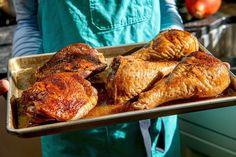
{"x": 134, "y": 74}
{"x": 60, "y": 96}
{"x": 131, "y": 76}
{"x": 79, "y": 58}
{"x": 169, "y": 45}
{"x": 158, "y": 73}
{"x": 199, "y": 75}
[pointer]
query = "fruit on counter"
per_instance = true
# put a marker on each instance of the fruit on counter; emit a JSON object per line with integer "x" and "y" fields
{"x": 202, "y": 8}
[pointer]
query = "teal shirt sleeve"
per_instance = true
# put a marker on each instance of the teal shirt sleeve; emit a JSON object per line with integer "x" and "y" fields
{"x": 27, "y": 38}
{"x": 170, "y": 17}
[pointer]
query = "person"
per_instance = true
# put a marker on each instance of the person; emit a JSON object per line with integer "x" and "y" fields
{"x": 46, "y": 26}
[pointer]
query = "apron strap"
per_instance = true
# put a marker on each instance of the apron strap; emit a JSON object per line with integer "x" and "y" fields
{"x": 144, "y": 127}
{"x": 160, "y": 146}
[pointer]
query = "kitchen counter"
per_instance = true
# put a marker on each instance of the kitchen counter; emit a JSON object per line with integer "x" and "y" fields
{"x": 228, "y": 9}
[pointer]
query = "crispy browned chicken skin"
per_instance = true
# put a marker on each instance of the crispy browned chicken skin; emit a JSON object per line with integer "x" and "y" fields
{"x": 199, "y": 75}
{"x": 62, "y": 96}
{"x": 131, "y": 76}
{"x": 79, "y": 58}
{"x": 169, "y": 45}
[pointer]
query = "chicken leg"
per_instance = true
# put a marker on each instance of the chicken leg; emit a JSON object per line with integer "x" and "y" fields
{"x": 131, "y": 76}
{"x": 134, "y": 74}
{"x": 199, "y": 75}
{"x": 169, "y": 45}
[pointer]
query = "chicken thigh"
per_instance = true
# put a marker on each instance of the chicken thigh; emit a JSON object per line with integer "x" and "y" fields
{"x": 79, "y": 58}
{"x": 60, "y": 96}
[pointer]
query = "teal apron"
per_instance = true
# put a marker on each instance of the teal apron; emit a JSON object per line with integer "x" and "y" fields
{"x": 105, "y": 23}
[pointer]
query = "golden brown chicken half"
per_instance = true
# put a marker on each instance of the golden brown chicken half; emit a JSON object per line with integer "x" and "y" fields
{"x": 169, "y": 45}
{"x": 131, "y": 76}
{"x": 60, "y": 96}
{"x": 199, "y": 75}
{"x": 79, "y": 58}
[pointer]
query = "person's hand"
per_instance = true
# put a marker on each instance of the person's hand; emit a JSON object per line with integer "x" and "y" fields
{"x": 4, "y": 86}
{"x": 227, "y": 65}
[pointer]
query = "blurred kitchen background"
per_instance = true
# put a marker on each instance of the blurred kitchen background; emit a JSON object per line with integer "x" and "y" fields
{"x": 209, "y": 133}
{"x": 11, "y": 146}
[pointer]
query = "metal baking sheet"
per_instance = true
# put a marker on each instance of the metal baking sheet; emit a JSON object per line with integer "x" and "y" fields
{"x": 20, "y": 69}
